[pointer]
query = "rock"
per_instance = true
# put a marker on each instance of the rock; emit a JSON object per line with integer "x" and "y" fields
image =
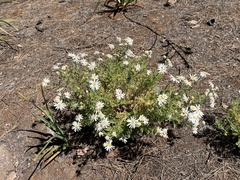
{"x": 170, "y": 2}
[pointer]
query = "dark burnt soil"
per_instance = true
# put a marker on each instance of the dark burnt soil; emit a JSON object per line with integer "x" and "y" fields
{"x": 205, "y": 33}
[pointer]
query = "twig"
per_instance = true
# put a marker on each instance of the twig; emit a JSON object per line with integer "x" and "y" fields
{"x": 177, "y": 48}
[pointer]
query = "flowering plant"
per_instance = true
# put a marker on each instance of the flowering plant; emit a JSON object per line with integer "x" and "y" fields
{"x": 120, "y": 95}
{"x": 230, "y": 124}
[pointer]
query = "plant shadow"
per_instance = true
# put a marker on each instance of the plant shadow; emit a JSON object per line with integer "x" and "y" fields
{"x": 223, "y": 146}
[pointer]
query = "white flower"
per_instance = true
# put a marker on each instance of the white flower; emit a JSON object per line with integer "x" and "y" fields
{"x": 76, "y": 59}
{"x": 212, "y": 104}
{"x": 98, "y": 127}
{"x": 100, "y": 59}
{"x": 193, "y": 77}
{"x": 59, "y": 105}
{"x": 143, "y": 119}
{"x": 181, "y": 78}
{"x": 84, "y": 62}
{"x": 76, "y": 126}
{"x": 72, "y": 55}
{"x": 94, "y": 84}
{"x": 203, "y": 74}
{"x": 83, "y": 55}
{"x": 79, "y": 117}
{"x": 184, "y": 112}
{"x": 94, "y": 77}
{"x": 162, "y": 132}
{"x": 173, "y": 79}
{"x": 132, "y": 122}
{"x": 111, "y": 46}
{"x": 91, "y": 66}
{"x": 188, "y": 83}
{"x": 193, "y": 117}
{"x": 169, "y": 63}
{"x": 211, "y": 84}
{"x": 108, "y": 145}
{"x": 67, "y": 95}
{"x": 94, "y": 117}
{"x": 124, "y": 140}
{"x": 162, "y": 69}
{"x": 148, "y": 53}
{"x": 149, "y": 72}
{"x": 185, "y": 98}
{"x": 207, "y": 92}
{"x": 101, "y": 115}
{"x": 45, "y": 82}
{"x": 199, "y": 113}
{"x": 96, "y": 53}
{"x": 64, "y": 67}
{"x": 138, "y": 67}
{"x": 56, "y": 67}
{"x": 107, "y": 138}
{"x": 129, "y": 53}
{"x": 99, "y": 105}
{"x": 119, "y": 94}
{"x": 114, "y": 134}
{"x": 194, "y": 129}
{"x": 56, "y": 99}
{"x": 125, "y": 63}
{"x": 162, "y": 99}
{"x": 129, "y": 41}
{"x": 119, "y": 40}
{"x": 109, "y": 56}
{"x": 100, "y": 134}
{"x": 105, "y": 122}
{"x": 193, "y": 108}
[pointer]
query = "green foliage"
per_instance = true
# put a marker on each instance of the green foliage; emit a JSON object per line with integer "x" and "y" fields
{"x": 231, "y": 123}
{"x": 50, "y": 150}
{"x": 122, "y": 96}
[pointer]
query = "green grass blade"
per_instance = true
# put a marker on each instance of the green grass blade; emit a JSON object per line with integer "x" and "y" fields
{"x": 46, "y": 145}
{"x": 95, "y": 9}
{"x": 7, "y": 21}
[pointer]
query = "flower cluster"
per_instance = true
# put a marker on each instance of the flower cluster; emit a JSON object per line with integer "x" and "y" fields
{"x": 162, "y": 132}
{"x": 194, "y": 117}
{"x": 212, "y": 94}
{"x": 162, "y": 99}
{"x": 119, "y": 95}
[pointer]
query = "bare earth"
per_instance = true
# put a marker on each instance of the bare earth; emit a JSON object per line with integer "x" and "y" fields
{"x": 49, "y": 28}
